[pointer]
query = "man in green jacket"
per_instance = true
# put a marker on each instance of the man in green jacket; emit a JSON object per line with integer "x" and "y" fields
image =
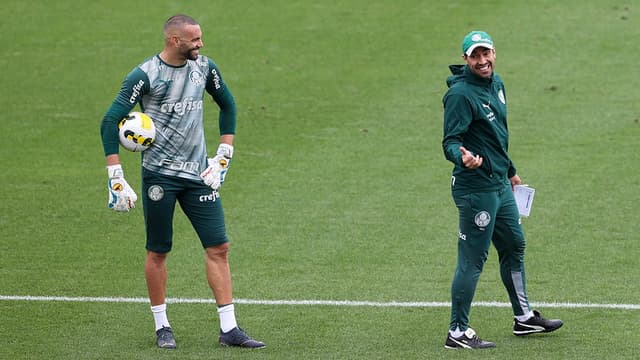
{"x": 476, "y": 141}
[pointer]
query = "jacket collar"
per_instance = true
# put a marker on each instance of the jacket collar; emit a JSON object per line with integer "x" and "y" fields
{"x": 472, "y": 78}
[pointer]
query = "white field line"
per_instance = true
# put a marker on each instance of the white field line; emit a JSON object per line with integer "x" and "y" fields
{"x": 428, "y": 304}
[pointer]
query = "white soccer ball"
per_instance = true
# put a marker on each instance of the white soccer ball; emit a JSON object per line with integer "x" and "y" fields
{"x": 137, "y": 131}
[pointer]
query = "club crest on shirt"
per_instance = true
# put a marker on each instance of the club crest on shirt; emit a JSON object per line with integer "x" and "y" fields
{"x": 482, "y": 219}
{"x": 196, "y": 77}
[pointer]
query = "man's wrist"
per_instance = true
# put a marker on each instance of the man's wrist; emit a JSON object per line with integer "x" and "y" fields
{"x": 115, "y": 170}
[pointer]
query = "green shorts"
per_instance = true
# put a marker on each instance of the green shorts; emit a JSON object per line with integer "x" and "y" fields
{"x": 202, "y": 206}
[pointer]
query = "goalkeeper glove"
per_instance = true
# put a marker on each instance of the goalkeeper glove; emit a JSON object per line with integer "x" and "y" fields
{"x": 121, "y": 195}
{"x": 215, "y": 173}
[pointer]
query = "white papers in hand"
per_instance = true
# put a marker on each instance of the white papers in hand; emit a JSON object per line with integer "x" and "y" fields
{"x": 524, "y": 198}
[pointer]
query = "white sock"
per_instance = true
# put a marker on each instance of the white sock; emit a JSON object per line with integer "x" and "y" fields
{"x": 456, "y": 333}
{"x": 160, "y": 316}
{"x": 525, "y": 317}
{"x": 227, "y": 318}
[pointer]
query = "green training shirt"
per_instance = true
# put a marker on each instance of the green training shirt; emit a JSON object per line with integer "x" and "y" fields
{"x": 475, "y": 116}
{"x": 173, "y": 97}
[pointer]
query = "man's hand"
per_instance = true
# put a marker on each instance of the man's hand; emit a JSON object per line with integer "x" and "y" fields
{"x": 515, "y": 180}
{"x": 213, "y": 176}
{"x": 121, "y": 195}
{"x": 469, "y": 160}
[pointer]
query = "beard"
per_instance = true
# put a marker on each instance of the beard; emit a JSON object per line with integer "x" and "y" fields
{"x": 191, "y": 54}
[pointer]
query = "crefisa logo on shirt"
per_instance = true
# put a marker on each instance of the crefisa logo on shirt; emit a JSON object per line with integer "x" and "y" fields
{"x": 181, "y": 107}
{"x": 135, "y": 91}
{"x": 196, "y": 77}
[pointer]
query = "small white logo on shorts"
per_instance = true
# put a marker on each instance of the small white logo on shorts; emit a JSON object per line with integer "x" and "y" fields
{"x": 210, "y": 197}
{"x": 482, "y": 219}
{"x": 155, "y": 192}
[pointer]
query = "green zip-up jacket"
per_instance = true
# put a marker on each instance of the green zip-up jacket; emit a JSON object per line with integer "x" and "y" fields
{"x": 475, "y": 116}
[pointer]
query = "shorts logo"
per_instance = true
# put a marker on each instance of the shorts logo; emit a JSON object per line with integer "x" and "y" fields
{"x": 482, "y": 219}
{"x": 155, "y": 192}
{"x": 210, "y": 197}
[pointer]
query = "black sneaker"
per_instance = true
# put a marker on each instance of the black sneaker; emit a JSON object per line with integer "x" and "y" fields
{"x": 536, "y": 324}
{"x": 237, "y": 337}
{"x": 165, "y": 339}
{"x": 468, "y": 340}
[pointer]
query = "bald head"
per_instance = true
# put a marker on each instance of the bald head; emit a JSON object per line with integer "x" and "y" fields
{"x": 182, "y": 40}
{"x": 176, "y": 23}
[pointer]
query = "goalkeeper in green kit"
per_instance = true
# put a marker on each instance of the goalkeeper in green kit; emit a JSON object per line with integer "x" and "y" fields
{"x": 170, "y": 88}
{"x": 476, "y": 141}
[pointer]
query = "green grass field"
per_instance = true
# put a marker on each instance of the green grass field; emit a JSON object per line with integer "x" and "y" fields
{"x": 339, "y": 190}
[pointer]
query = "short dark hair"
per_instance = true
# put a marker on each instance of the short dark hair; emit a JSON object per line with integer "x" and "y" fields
{"x": 179, "y": 21}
